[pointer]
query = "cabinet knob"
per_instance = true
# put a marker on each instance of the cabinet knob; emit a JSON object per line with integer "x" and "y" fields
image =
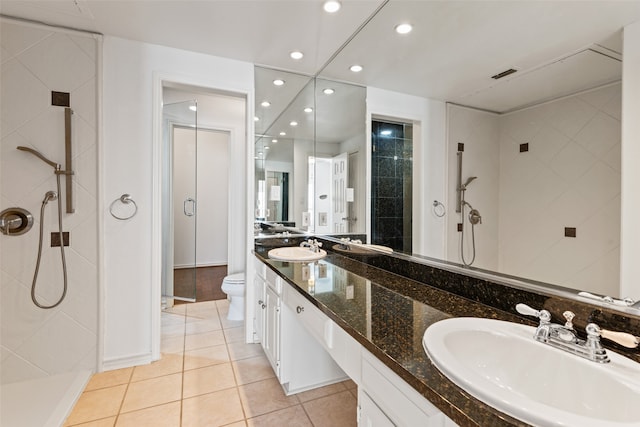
{"x": 260, "y": 302}
{"x": 263, "y": 306}
{"x": 299, "y": 309}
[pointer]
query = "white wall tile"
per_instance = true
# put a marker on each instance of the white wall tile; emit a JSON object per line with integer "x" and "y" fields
{"x": 59, "y": 63}
{"x": 39, "y": 342}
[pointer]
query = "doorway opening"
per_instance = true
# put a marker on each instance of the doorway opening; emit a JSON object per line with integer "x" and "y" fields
{"x": 196, "y": 194}
{"x": 392, "y": 184}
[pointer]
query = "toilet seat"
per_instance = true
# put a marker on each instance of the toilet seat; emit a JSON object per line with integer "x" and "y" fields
{"x": 237, "y": 278}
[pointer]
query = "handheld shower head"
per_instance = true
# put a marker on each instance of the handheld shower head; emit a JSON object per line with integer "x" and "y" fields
{"x": 39, "y": 155}
{"x": 463, "y": 187}
{"x": 471, "y": 178}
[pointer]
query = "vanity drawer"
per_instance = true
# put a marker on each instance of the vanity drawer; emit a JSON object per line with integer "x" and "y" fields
{"x": 259, "y": 267}
{"x": 315, "y": 321}
{"x": 398, "y": 400}
{"x": 273, "y": 281}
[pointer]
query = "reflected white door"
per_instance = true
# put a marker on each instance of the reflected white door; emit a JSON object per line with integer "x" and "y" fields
{"x": 339, "y": 179}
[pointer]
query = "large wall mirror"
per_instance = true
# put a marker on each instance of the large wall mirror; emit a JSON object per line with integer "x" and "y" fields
{"x": 534, "y": 156}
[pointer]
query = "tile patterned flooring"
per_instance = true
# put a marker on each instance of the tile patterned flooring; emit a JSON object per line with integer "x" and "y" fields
{"x": 207, "y": 376}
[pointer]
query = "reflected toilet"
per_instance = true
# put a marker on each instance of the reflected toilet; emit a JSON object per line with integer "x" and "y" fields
{"x": 234, "y": 286}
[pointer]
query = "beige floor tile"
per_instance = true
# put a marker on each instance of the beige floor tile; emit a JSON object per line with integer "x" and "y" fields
{"x": 109, "y": 379}
{"x": 234, "y": 335}
{"x": 214, "y": 409}
{"x": 173, "y": 345}
{"x": 97, "y": 404}
{"x": 335, "y": 410}
{"x": 241, "y": 350}
{"x": 252, "y": 370}
{"x": 305, "y": 396}
{"x": 265, "y": 396}
{"x": 222, "y": 304}
{"x": 176, "y": 309}
{"x": 168, "y": 364}
{"x": 207, "y": 339}
{"x": 207, "y": 380}
{"x": 105, "y": 422}
{"x": 202, "y": 326}
{"x": 238, "y": 424}
{"x": 167, "y": 415}
{"x": 156, "y": 391}
{"x": 169, "y": 319}
{"x": 201, "y": 357}
{"x": 171, "y": 331}
{"x": 290, "y": 417}
{"x": 350, "y": 384}
{"x": 228, "y": 324}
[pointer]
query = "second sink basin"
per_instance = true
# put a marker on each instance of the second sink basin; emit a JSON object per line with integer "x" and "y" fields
{"x": 502, "y": 365}
{"x": 296, "y": 253}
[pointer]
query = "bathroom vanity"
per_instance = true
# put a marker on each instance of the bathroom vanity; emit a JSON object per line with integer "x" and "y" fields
{"x": 339, "y": 317}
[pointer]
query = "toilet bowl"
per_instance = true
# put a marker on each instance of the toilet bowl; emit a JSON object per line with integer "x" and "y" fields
{"x": 234, "y": 286}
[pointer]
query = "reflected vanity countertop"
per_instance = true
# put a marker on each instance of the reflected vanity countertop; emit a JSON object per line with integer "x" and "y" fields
{"x": 387, "y": 314}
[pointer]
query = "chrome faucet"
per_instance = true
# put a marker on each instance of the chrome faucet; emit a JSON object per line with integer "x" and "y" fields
{"x": 312, "y": 244}
{"x": 564, "y": 337}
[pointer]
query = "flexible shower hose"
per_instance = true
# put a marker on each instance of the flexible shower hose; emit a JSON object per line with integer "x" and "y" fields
{"x": 64, "y": 261}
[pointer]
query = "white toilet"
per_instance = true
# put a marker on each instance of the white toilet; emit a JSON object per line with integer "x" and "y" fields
{"x": 234, "y": 286}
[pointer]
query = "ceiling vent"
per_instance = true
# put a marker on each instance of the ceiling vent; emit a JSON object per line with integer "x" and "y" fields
{"x": 504, "y": 73}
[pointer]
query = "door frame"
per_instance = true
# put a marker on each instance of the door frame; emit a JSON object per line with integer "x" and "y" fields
{"x": 240, "y": 149}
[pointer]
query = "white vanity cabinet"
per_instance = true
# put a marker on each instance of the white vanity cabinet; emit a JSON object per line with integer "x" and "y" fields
{"x": 385, "y": 399}
{"x": 298, "y": 359}
{"x": 259, "y": 292}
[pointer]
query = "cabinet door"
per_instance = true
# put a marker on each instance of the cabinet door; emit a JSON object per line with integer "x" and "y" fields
{"x": 369, "y": 414}
{"x": 271, "y": 342}
{"x": 260, "y": 308}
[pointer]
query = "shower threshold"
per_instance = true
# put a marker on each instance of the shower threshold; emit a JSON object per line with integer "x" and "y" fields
{"x": 43, "y": 402}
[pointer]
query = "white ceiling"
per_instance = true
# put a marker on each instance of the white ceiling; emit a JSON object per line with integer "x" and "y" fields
{"x": 455, "y": 48}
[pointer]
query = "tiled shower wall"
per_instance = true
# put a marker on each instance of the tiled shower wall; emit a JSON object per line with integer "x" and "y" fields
{"x": 37, "y": 60}
{"x": 567, "y": 176}
{"x": 391, "y": 185}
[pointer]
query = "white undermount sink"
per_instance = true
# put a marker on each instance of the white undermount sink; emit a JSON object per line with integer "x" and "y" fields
{"x": 296, "y": 253}
{"x": 502, "y": 365}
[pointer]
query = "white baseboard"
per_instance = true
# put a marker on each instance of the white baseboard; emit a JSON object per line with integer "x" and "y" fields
{"x": 127, "y": 361}
{"x": 214, "y": 264}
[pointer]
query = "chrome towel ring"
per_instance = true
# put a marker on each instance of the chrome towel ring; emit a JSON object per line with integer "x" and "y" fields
{"x": 438, "y": 209}
{"x": 125, "y": 199}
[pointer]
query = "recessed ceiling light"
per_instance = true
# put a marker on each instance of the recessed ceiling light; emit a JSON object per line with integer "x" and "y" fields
{"x": 278, "y": 82}
{"x": 283, "y": 133}
{"x": 265, "y": 104}
{"x": 296, "y": 54}
{"x": 293, "y": 123}
{"x": 308, "y": 110}
{"x": 403, "y": 28}
{"x": 356, "y": 68}
{"x": 266, "y": 148}
{"x": 328, "y": 91}
{"x": 256, "y": 119}
{"x": 193, "y": 108}
{"x": 385, "y": 132}
{"x": 332, "y": 6}
{"x": 260, "y": 153}
{"x": 275, "y": 141}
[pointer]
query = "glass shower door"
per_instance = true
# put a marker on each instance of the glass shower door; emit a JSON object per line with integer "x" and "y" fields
{"x": 181, "y": 125}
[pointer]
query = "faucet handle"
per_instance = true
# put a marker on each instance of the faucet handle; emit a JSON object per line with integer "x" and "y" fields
{"x": 569, "y": 315}
{"x": 622, "y": 338}
{"x": 543, "y": 315}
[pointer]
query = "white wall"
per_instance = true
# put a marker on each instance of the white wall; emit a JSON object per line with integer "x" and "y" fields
{"x": 35, "y": 61}
{"x": 429, "y": 167}
{"x": 133, "y": 74}
{"x": 630, "y": 238}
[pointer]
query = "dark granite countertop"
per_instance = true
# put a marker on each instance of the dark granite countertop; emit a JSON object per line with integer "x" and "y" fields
{"x": 388, "y": 314}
